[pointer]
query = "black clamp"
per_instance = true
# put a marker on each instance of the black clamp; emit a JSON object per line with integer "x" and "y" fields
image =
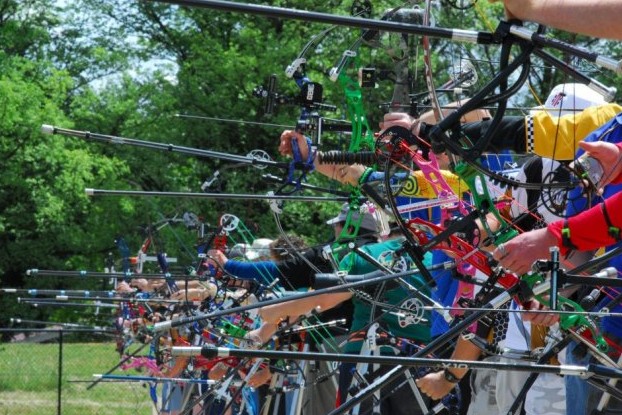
{"x": 613, "y": 231}
{"x": 566, "y": 242}
{"x": 450, "y": 377}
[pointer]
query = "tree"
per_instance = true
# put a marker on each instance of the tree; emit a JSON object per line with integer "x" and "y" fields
{"x": 127, "y": 68}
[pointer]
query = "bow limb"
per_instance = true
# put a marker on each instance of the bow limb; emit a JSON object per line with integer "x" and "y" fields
{"x": 398, "y": 141}
{"x": 362, "y": 135}
{"x": 427, "y": 60}
{"x": 428, "y": 163}
{"x": 461, "y": 250}
{"x": 577, "y": 323}
{"x": 485, "y": 205}
{"x": 360, "y": 132}
{"x": 365, "y": 140}
{"x": 430, "y": 168}
{"x": 297, "y": 65}
{"x": 124, "y": 250}
{"x": 143, "y": 362}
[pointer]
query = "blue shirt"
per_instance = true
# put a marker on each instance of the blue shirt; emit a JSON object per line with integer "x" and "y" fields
{"x": 577, "y": 203}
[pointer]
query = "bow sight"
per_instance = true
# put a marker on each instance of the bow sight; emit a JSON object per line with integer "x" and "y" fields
{"x": 310, "y": 96}
{"x": 310, "y": 99}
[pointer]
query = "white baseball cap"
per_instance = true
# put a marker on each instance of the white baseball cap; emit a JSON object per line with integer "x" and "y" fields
{"x": 238, "y": 251}
{"x": 367, "y": 222}
{"x": 570, "y": 98}
{"x": 259, "y": 249}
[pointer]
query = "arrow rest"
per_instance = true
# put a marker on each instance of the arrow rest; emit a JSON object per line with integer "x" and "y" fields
{"x": 276, "y": 206}
{"x": 310, "y": 96}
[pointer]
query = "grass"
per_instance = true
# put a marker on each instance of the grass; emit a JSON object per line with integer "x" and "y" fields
{"x": 29, "y": 381}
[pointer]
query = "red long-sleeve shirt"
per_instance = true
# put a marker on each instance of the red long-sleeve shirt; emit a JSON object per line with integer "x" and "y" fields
{"x": 589, "y": 230}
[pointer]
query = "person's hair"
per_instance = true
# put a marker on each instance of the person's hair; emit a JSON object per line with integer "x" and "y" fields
{"x": 280, "y": 248}
{"x": 363, "y": 231}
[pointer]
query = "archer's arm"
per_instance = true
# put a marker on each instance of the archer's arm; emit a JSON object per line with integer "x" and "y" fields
{"x": 543, "y": 133}
{"x": 599, "y": 18}
{"x": 262, "y": 271}
{"x": 273, "y": 314}
{"x": 435, "y": 385}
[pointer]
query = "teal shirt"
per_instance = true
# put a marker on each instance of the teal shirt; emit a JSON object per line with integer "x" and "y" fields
{"x": 394, "y": 324}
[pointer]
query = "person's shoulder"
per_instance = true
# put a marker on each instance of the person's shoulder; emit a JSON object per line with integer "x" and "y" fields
{"x": 608, "y": 119}
{"x": 608, "y": 110}
{"x": 389, "y": 244}
{"x": 612, "y": 106}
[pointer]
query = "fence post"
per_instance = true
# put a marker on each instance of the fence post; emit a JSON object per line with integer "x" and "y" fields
{"x": 60, "y": 370}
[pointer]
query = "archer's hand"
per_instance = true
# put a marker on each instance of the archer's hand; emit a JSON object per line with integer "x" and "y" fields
{"x": 610, "y": 157}
{"x": 142, "y": 284}
{"x": 261, "y": 377}
{"x": 273, "y": 314}
{"x": 123, "y": 288}
{"x": 541, "y": 319}
{"x": 435, "y": 385}
{"x": 519, "y": 254}
{"x": 400, "y": 119}
{"x": 193, "y": 294}
{"x": 155, "y": 318}
{"x": 511, "y": 7}
{"x": 263, "y": 333}
{"x": 218, "y": 371}
{"x": 218, "y": 257}
{"x": 285, "y": 146}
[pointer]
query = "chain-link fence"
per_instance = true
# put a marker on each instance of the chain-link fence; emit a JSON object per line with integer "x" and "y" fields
{"x": 51, "y": 372}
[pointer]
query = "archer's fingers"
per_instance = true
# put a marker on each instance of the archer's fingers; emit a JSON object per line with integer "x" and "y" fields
{"x": 589, "y": 146}
{"x": 397, "y": 116}
{"x": 597, "y": 149}
{"x": 508, "y": 14}
{"x": 285, "y": 143}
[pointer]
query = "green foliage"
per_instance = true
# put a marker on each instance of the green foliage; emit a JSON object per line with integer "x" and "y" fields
{"x": 26, "y": 26}
{"x": 126, "y": 69}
